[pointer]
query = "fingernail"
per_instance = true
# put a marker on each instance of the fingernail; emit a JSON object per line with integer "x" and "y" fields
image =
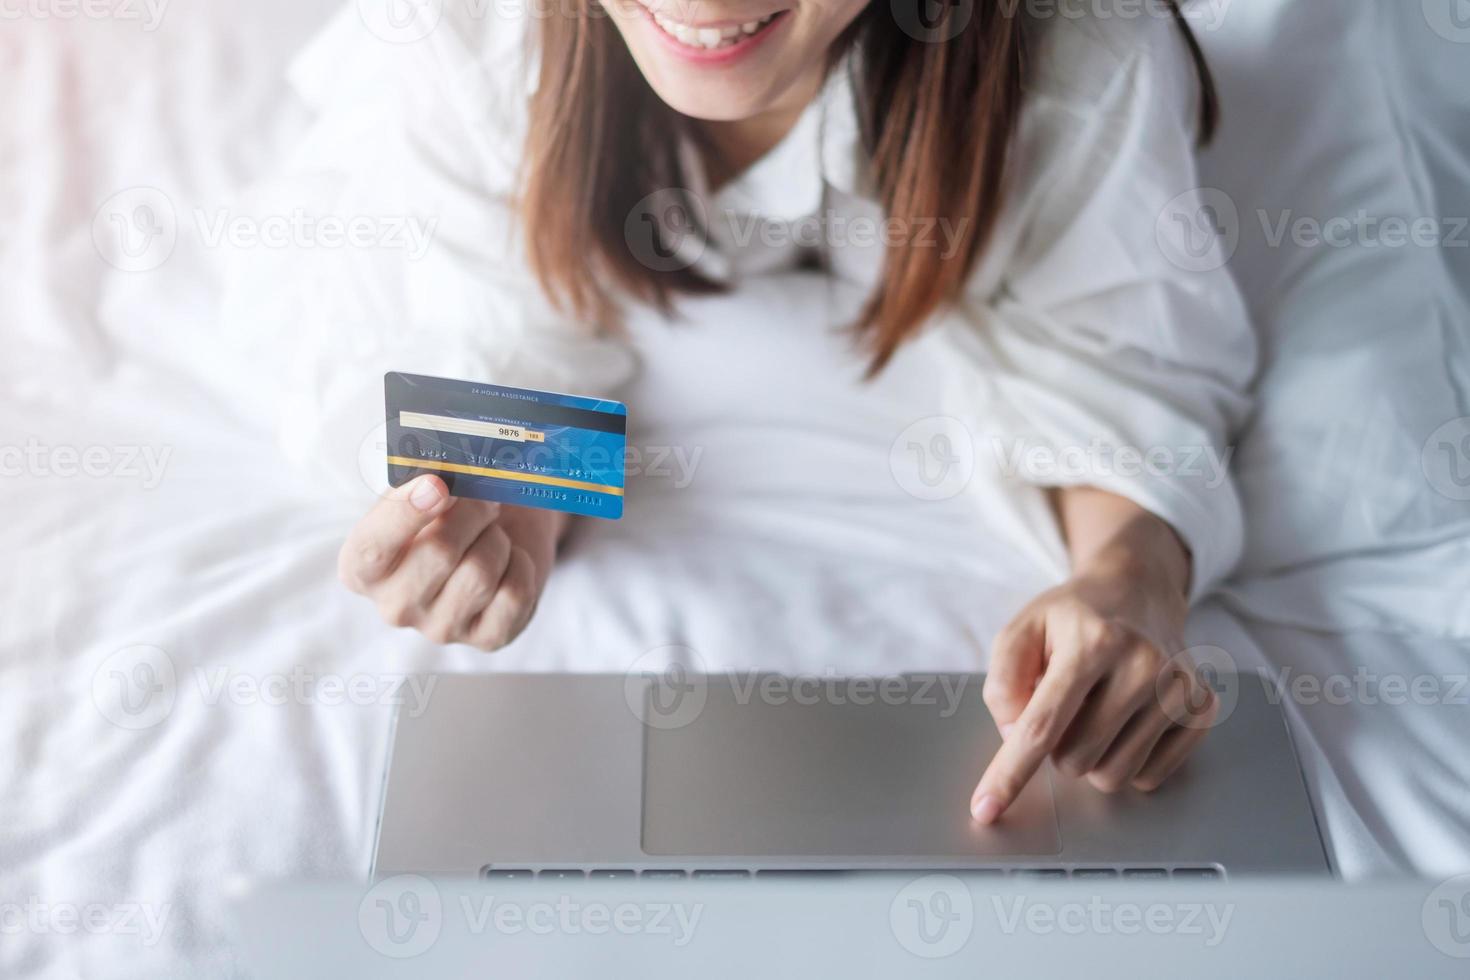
{"x": 1005, "y": 730}
{"x": 985, "y": 809}
{"x": 425, "y": 495}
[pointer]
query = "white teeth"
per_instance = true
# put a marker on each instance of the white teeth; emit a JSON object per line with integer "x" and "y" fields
{"x": 709, "y": 38}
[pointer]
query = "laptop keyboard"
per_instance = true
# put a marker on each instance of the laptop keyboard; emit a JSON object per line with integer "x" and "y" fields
{"x": 1182, "y": 873}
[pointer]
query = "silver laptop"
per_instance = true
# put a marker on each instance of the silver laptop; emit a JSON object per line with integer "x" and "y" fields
{"x": 668, "y": 775}
{"x": 963, "y": 925}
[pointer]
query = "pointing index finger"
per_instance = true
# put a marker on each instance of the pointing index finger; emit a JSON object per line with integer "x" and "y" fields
{"x": 1035, "y": 734}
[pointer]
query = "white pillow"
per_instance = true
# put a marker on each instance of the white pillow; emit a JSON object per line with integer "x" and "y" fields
{"x": 1337, "y": 142}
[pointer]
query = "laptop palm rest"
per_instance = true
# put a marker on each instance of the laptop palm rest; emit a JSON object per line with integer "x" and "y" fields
{"x": 760, "y": 774}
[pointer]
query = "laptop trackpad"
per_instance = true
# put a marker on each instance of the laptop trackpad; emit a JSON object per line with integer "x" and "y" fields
{"x": 788, "y": 771}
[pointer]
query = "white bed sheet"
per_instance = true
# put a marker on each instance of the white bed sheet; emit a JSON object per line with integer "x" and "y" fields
{"x": 226, "y": 567}
{"x": 226, "y": 564}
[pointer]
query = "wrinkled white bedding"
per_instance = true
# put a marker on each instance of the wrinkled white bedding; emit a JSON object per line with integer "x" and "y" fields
{"x": 268, "y": 759}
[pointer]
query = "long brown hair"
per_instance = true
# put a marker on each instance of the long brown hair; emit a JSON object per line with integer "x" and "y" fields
{"x": 938, "y": 103}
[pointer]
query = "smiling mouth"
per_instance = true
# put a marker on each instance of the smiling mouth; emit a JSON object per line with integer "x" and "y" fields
{"x": 713, "y": 38}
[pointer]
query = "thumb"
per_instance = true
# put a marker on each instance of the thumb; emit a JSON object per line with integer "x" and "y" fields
{"x": 377, "y": 542}
{"x": 1016, "y": 662}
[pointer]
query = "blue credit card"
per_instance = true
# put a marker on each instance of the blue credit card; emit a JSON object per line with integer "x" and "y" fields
{"x": 510, "y": 445}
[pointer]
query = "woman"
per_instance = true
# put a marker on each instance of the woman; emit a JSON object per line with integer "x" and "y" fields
{"x": 586, "y": 163}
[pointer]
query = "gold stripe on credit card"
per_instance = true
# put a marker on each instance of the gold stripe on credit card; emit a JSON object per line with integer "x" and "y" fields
{"x": 548, "y": 481}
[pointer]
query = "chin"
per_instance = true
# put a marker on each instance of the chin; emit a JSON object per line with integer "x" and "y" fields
{"x": 719, "y": 106}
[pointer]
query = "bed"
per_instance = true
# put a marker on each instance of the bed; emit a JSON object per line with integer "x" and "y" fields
{"x": 157, "y": 543}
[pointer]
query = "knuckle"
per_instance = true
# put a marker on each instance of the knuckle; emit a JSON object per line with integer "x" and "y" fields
{"x": 1107, "y": 782}
{"x": 510, "y": 618}
{"x": 1012, "y": 638}
{"x": 492, "y": 640}
{"x": 482, "y": 572}
{"x": 1148, "y": 655}
{"x": 1178, "y": 668}
{"x": 1080, "y": 612}
{"x": 479, "y": 588}
{"x": 487, "y": 510}
{"x": 520, "y": 569}
{"x": 395, "y": 612}
{"x": 1101, "y": 633}
{"x": 1038, "y": 727}
{"x": 492, "y": 632}
{"x": 1006, "y": 785}
{"x": 438, "y": 632}
{"x": 367, "y": 563}
{"x": 1007, "y": 789}
{"x": 1011, "y": 782}
{"x": 998, "y": 694}
{"x": 437, "y": 550}
{"x": 1074, "y": 663}
{"x": 1142, "y": 666}
{"x": 488, "y": 563}
{"x": 1174, "y": 698}
{"x": 471, "y": 586}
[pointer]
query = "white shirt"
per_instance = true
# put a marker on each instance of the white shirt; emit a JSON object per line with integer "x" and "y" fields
{"x": 1090, "y": 347}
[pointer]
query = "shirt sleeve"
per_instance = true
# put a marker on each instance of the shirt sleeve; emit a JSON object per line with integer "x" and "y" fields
{"x": 1110, "y": 346}
{"x": 403, "y": 252}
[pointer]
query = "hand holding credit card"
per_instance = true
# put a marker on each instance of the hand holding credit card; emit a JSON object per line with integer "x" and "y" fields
{"x": 508, "y": 445}
{"x": 472, "y": 570}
